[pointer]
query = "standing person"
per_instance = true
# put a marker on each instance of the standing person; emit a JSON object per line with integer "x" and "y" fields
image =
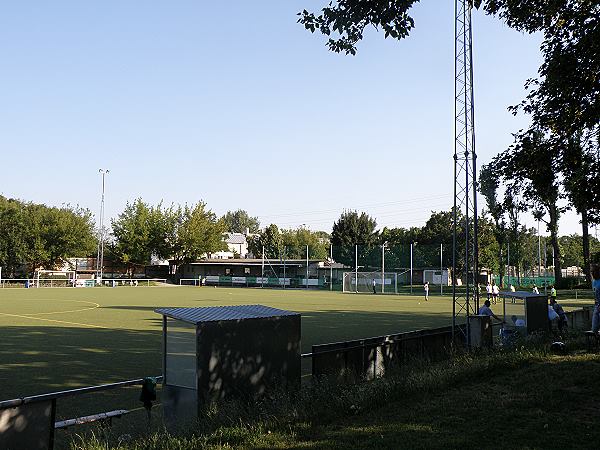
{"x": 596, "y": 288}
{"x": 374, "y": 290}
{"x": 535, "y": 289}
{"x": 552, "y": 292}
{"x": 426, "y": 287}
{"x": 488, "y": 290}
{"x": 495, "y": 293}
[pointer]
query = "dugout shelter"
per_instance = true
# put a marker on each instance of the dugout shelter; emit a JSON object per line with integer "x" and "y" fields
{"x": 226, "y": 352}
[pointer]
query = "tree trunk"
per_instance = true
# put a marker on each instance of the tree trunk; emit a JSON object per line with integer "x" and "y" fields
{"x": 586, "y": 245}
{"x": 553, "y": 229}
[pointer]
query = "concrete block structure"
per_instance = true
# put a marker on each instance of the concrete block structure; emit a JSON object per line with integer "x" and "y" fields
{"x": 226, "y": 352}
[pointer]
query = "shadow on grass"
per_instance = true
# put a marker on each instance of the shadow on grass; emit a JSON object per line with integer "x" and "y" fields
{"x": 39, "y": 359}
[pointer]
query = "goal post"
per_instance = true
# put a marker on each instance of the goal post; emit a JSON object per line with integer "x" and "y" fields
{"x": 357, "y": 282}
{"x": 54, "y": 278}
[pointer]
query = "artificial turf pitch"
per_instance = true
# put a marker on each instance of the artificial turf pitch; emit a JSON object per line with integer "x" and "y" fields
{"x": 60, "y": 338}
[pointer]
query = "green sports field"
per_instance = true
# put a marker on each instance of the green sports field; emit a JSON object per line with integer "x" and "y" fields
{"x": 63, "y": 338}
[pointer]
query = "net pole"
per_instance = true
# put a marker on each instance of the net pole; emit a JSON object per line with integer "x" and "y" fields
{"x": 284, "y": 267}
{"x": 441, "y": 269}
{"x": 307, "y": 267}
{"x": 262, "y": 269}
{"x": 411, "y": 268}
{"x": 356, "y": 267}
{"x": 383, "y": 268}
{"x": 331, "y": 268}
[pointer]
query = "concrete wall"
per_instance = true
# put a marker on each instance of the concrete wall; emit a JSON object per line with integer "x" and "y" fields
{"x": 246, "y": 358}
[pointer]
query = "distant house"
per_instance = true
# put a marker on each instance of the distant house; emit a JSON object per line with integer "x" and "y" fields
{"x": 237, "y": 246}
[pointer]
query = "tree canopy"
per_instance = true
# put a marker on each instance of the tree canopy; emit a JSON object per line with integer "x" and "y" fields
{"x": 239, "y": 221}
{"x": 37, "y": 236}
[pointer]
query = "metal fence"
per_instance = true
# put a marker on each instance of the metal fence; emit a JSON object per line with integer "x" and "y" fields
{"x": 32, "y": 422}
{"x": 56, "y": 282}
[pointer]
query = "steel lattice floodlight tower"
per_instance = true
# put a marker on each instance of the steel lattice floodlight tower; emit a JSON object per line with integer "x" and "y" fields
{"x": 465, "y": 249}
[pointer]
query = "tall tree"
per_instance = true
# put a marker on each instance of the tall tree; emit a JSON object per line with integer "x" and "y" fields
{"x": 132, "y": 231}
{"x": 270, "y": 239}
{"x": 353, "y": 229}
{"x": 579, "y": 177}
{"x": 37, "y": 236}
{"x": 198, "y": 232}
{"x": 489, "y": 182}
{"x": 530, "y": 166}
{"x": 296, "y": 240}
{"x": 240, "y": 221}
{"x": 566, "y": 96}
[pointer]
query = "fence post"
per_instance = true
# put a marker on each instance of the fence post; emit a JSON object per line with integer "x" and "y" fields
{"x": 331, "y": 268}
{"x": 411, "y": 268}
{"x": 383, "y": 268}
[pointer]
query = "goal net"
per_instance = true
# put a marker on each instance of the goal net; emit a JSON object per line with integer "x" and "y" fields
{"x": 382, "y": 283}
{"x": 54, "y": 278}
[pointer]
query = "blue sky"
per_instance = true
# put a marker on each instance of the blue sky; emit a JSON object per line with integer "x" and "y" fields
{"x": 234, "y": 103}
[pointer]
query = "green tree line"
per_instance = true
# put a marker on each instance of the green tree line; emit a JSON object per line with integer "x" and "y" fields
{"x": 37, "y": 236}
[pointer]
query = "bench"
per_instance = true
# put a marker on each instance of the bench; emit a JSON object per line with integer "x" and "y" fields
{"x": 592, "y": 340}
{"x": 105, "y": 416}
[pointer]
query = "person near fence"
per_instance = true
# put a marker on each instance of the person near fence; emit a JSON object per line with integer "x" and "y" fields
{"x": 553, "y": 292}
{"x": 485, "y": 310}
{"x": 560, "y": 312}
{"x": 374, "y": 284}
{"x": 535, "y": 289}
{"x": 488, "y": 290}
{"x": 495, "y": 293}
{"x": 426, "y": 287}
{"x": 596, "y": 288}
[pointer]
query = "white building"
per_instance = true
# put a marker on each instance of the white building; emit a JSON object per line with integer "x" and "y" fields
{"x": 237, "y": 245}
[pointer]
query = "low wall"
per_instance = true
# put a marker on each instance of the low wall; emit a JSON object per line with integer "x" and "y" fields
{"x": 370, "y": 358}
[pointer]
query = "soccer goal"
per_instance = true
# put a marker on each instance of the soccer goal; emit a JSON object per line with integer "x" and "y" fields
{"x": 386, "y": 283}
{"x": 54, "y": 278}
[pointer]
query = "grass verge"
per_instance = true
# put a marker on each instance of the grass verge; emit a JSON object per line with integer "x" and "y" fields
{"x": 522, "y": 398}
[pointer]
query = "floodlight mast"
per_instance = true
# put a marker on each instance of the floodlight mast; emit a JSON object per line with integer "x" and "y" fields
{"x": 464, "y": 241}
{"x": 100, "y": 256}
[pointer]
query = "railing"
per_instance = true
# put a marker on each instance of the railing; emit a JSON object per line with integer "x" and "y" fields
{"x": 115, "y": 282}
{"x": 29, "y": 422}
{"x": 57, "y": 282}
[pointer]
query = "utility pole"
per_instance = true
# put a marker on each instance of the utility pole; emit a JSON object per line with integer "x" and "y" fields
{"x": 411, "y": 268}
{"x": 331, "y": 268}
{"x": 441, "y": 269}
{"x": 307, "y": 267}
{"x": 465, "y": 253}
{"x": 356, "y": 267}
{"x": 100, "y": 256}
{"x": 262, "y": 269}
{"x": 383, "y": 268}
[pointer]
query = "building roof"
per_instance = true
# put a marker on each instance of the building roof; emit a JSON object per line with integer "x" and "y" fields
{"x": 236, "y": 238}
{"x": 221, "y": 313}
{"x": 252, "y": 262}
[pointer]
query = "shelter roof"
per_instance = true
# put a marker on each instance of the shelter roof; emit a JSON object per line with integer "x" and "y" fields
{"x": 223, "y": 313}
